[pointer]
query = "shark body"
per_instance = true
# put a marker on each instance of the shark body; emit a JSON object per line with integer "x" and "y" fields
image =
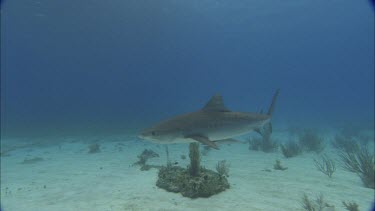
{"x": 213, "y": 123}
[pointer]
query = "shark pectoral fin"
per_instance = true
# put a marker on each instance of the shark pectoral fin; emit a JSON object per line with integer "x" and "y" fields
{"x": 204, "y": 140}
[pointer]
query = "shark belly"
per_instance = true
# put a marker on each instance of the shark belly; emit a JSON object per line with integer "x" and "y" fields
{"x": 224, "y": 134}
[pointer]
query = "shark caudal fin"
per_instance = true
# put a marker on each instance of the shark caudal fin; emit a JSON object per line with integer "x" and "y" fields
{"x": 266, "y": 130}
{"x": 272, "y": 106}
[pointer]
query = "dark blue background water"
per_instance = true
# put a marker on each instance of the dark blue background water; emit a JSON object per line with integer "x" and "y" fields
{"x": 117, "y": 66}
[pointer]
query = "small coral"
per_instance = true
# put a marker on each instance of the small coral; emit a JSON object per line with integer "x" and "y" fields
{"x": 345, "y": 143}
{"x": 268, "y": 145}
{"x": 290, "y": 149}
{"x": 143, "y": 157}
{"x": 364, "y": 139}
{"x": 351, "y": 206}
{"x": 294, "y": 130}
{"x": 317, "y": 205}
{"x": 278, "y": 166}
{"x": 360, "y": 162}
{"x": 311, "y": 141}
{"x": 94, "y": 148}
{"x": 350, "y": 130}
{"x": 307, "y": 204}
{"x": 222, "y": 167}
{"x": 327, "y": 166}
{"x": 264, "y": 144}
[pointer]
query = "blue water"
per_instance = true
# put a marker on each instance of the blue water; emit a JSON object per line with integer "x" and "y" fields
{"x": 88, "y": 72}
{"x": 122, "y": 65}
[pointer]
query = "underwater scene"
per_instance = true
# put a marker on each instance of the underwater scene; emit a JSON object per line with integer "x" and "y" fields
{"x": 187, "y": 105}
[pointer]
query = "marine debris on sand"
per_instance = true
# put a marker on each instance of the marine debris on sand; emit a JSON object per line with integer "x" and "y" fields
{"x": 194, "y": 181}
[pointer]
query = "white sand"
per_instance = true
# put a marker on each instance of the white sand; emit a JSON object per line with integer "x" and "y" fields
{"x": 71, "y": 179}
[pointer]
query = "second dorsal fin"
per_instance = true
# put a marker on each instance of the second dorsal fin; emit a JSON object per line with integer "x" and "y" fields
{"x": 215, "y": 104}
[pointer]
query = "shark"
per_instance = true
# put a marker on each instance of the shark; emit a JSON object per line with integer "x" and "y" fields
{"x": 211, "y": 124}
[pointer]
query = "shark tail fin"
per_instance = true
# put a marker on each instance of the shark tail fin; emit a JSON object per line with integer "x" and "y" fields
{"x": 266, "y": 130}
{"x": 272, "y": 106}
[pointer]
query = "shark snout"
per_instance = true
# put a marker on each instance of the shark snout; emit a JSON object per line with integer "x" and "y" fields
{"x": 142, "y": 135}
{"x": 147, "y": 134}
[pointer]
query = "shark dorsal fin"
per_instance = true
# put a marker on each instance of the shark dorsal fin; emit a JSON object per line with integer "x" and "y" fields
{"x": 215, "y": 104}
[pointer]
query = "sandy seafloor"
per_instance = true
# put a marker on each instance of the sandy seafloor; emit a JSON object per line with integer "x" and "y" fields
{"x": 71, "y": 179}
